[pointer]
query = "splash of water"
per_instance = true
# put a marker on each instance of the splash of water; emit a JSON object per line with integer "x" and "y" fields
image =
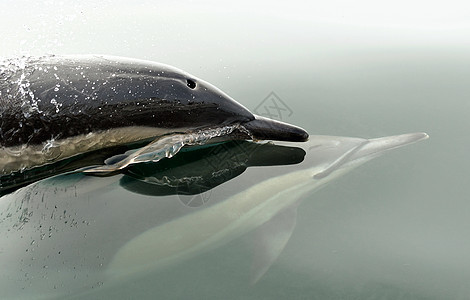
{"x": 15, "y": 72}
{"x": 165, "y": 147}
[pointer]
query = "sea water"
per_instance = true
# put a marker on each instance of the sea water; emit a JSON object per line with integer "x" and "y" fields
{"x": 396, "y": 228}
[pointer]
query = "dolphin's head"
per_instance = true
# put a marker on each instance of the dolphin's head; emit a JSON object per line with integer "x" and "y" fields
{"x": 67, "y": 96}
{"x": 199, "y": 102}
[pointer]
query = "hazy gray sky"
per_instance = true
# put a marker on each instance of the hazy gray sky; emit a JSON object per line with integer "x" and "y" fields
{"x": 173, "y": 29}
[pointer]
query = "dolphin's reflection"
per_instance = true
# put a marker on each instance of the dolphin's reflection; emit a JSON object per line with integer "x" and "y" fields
{"x": 195, "y": 170}
{"x": 198, "y": 171}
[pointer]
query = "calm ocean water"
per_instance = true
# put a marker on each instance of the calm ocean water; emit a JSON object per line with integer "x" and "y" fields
{"x": 395, "y": 228}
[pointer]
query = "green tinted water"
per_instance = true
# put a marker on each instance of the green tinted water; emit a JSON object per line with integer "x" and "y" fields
{"x": 396, "y": 228}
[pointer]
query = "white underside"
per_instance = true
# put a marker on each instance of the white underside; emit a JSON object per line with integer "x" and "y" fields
{"x": 29, "y": 156}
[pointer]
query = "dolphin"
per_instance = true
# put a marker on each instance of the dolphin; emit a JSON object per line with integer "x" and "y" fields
{"x": 94, "y": 232}
{"x": 55, "y": 107}
{"x": 262, "y": 205}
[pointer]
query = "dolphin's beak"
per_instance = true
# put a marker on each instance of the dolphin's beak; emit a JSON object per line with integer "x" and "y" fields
{"x": 376, "y": 147}
{"x": 263, "y": 128}
{"x": 365, "y": 150}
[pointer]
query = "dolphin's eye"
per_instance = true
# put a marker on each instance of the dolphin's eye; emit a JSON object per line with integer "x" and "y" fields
{"x": 191, "y": 84}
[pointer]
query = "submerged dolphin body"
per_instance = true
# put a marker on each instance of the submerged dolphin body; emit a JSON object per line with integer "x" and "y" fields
{"x": 91, "y": 233}
{"x": 55, "y": 107}
{"x": 262, "y": 206}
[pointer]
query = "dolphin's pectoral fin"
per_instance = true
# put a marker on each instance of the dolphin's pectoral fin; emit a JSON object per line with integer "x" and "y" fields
{"x": 270, "y": 239}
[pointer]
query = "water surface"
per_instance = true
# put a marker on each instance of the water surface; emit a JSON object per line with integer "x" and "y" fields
{"x": 396, "y": 228}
